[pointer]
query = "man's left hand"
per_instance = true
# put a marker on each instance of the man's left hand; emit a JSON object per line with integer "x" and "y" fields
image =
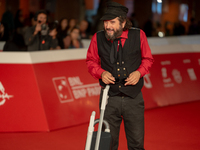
{"x": 133, "y": 78}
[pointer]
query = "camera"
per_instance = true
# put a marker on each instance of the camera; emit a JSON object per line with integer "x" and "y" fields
{"x": 44, "y": 26}
{"x": 44, "y": 29}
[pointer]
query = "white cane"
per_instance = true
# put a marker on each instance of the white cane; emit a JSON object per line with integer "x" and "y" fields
{"x": 90, "y": 131}
{"x": 103, "y": 106}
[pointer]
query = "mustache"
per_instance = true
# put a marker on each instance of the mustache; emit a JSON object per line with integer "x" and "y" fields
{"x": 108, "y": 29}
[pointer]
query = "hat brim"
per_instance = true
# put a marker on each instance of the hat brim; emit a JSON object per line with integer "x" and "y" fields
{"x": 108, "y": 17}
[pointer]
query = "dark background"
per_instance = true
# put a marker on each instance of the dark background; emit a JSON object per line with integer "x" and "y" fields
{"x": 165, "y": 19}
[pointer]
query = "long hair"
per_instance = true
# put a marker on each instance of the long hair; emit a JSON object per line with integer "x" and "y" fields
{"x": 128, "y": 24}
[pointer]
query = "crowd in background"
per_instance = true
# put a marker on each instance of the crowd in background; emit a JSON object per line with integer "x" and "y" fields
{"x": 37, "y": 33}
{"x": 169, "y": 29}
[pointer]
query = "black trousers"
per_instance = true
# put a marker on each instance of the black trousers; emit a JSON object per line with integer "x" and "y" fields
{"x": 132, "y": 112}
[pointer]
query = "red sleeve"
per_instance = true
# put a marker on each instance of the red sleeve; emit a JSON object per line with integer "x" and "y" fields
{"x": 93, "y": 60}
{"x": 147, "y": 58}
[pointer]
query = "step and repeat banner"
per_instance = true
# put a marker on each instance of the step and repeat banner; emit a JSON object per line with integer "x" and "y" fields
{"x": 48, "y": 90}
{"x": 42, "y": 91}
{"x": 173, "y": 79}
{"x": 21, "y": 105}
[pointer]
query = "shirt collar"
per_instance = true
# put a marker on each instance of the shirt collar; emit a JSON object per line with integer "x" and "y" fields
{"x": 124, "y": 34}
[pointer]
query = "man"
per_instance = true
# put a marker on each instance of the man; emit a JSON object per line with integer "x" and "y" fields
{"x": 37, "y": 37}
{"x": 120, "y": 56}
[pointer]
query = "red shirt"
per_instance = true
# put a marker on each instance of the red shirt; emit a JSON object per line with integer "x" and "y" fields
{"x": 93, "y": 60}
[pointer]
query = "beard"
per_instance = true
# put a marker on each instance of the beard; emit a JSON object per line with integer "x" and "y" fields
{"x": 115, "y": 35}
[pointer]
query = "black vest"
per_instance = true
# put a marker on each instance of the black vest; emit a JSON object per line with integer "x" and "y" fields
{"x": 131, "y": 60}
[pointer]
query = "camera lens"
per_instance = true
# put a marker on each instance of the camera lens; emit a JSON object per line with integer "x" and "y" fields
{"x": 43, "y": 26}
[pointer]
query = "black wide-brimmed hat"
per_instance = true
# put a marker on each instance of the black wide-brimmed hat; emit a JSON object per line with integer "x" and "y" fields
{"x": 114, "y": 10}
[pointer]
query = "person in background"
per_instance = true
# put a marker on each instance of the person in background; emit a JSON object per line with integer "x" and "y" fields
{"x": 37, "y": 37}
{"x": 62, "y": 31}
{"x": 19, "y": 20}
{"x": 198, "y": 26}
{"x": 73, "y": 39}
{"x": 8, "y": 20}
{"x": 28, "y": 22}
{"x": 72, "y": 24}
{"x": 193, "y": 27}
{"x": 16, "y": 43}
{"x": 33, "y": 21}
{"x": 83, "y": 26}
{"x": 134, "y": 21}
{"x": 4, "y": 34}
{"x": 178, "y": 29}
{"x": 120, "y": 56}
{"x": 53, "y": 33}
{"x": 148, "y": 27}
{"x": 167, "y": 28}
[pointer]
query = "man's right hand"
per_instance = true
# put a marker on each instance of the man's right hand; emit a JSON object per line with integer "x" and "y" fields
{"x": 37, "y": 28}
{"x": 107, "y": 78}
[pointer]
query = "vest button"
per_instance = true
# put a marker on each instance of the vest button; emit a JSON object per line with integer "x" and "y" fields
{"x": 120, "y": 86}
{"x": 117, "y": 63}
{"x": 118, "y": 69}
{"x": 118, "y": 75}
{"x": 124, "y": 68}
{"x": 122, "y": 62}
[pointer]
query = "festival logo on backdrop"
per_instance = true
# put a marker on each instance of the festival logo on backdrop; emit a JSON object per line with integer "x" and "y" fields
{"x": 81, "y": 90}
{"x": 62, "y": 89}
{"x": 147, "y": 81}
{"x": 3, "y": 95}
{"x": 73, "y": 88}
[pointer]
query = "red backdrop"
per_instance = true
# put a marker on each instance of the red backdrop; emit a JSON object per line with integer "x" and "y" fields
{"x": 52, "y": 95}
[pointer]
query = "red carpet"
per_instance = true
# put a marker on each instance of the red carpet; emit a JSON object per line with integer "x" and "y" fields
{"x": 168, "y": 128}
